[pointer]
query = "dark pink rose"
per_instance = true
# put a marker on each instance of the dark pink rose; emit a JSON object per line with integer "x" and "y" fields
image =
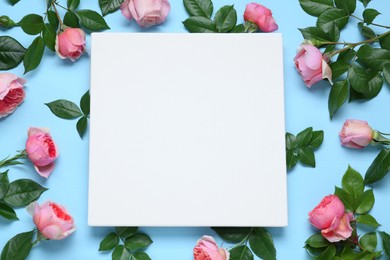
{"x": 207, "y": 249}
{"x": 11, "y": 93}
{"x": 41, "y": 150}
{"x": 261, "y": 16}
{"x": 70, "y": 43}
{"x": 52, "y": 220}
{"x": 312, "y": 66}
{"x": 146, "y": 12}
{"x": 331, "y": 218}
{"x": 356, "y": 134}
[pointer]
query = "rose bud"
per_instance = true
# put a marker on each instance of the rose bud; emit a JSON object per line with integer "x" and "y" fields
{"x": 330, "y": 217}
{"x": 52, "y": 220}
{"x": 312, "y": 66}
{"x": 11, "y": 93}
{"x": 41, "y": 150}
{"x": 146, "y": 12}
{"x": 261, "y": 16}
{"x": 207, "y": 249}
{"x": 356, "y": 134}
{"x": 6, "y": 22}
{"x": 70, "y": 43}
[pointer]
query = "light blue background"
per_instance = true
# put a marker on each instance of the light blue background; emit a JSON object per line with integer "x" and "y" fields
{"x": 56, "y": 79}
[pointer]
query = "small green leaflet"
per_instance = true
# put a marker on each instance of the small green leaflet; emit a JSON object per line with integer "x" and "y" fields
{"x": 91, "y": 20}
{"x": 18, "y": 247}
{"x": 11, "y": 53}
{"x": 378, "y": 168}
{"x": 203, "y": 8}
{"x": 109, "y": 6}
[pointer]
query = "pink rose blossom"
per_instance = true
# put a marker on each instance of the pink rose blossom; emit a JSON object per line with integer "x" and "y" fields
{"x": 41, "y": 150}
{"x": 146, "y": 12}
{"x": 70, "y": 43}
{"x": 312, "y": 66}
{"x": 330, "y": 217}
{"x": 11, "y": 93}
{"x": 356, "y": 134}
{"x": 52, "y": 220}
{"x": 207, "y": 249}
{"x": 261, "y": 16}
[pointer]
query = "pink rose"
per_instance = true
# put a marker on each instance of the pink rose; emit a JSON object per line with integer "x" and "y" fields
{"x": 41, "y": 150}
{"x": 207, "y": 249}
{"x": 356, "y": 134}
{"x": 312, "y": 66}
{"x": 70, "y": 43}
{"x": 330, "y": 217}
{"x": 11, "y": 93}
{"x": 146, "y": 12}
{"x": 261, "y": 16}
{"x": 52, "y": 220}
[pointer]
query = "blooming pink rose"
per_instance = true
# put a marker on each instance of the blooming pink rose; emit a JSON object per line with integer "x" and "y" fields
{"x": 207, "y": 249}
{"x": 261, "y": 16}
{"x": 356, "y": 134}
{"x": 52, "y": 220}
{"x": 70, "y": 43}
{"x": 146, "y": 12}
{"x": 312, "y": 66}
{"x": 41, "y": 150}
{"x": 11, "y": 93}
{"x": 330, "y": 217}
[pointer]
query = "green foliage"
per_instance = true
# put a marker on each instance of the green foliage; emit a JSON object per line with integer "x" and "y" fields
{"x": 202, "y": 8}
{"x": 378, "y": 168}
{"x": 22, "y": 192}
{"x": 34, "y": 54}
{"x": 18, "y": 247}
{"x": 11, "y": 53}
{"x": 109, "y": 6}
{"x": 241, "y": 252}
{"x": 91, "y": 20}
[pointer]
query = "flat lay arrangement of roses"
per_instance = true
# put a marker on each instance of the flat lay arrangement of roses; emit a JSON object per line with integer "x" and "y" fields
{"x": 343, "y": 226}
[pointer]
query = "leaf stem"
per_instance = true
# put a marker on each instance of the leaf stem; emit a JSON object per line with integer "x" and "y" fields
{"x": 13, "y": 160}
{"x": 375, "y": 24}
{"x": 58, "y": 16}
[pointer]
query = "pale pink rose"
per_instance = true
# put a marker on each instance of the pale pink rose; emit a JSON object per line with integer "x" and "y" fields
{"x": 146, "y": 12}
{"x": 330, "y": 217}
{"x": 312, "y": 66}
{"x": 261, "y": 16}
{"x": 52, "y": 220}
{"x": 207, "y": 249}
{"x": 70, "y": 43}
{"x": 41, "y": 150}
{"x": 11, "y": 93}
{"x": 356, "y": 134}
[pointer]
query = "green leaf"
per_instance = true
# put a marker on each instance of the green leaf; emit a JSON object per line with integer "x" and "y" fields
{"x": 358, "y": 78}
{"x": 73, "y": 4}
{"x": 198, "y": 24}
{"x": 91, "y": 20}
{"x": 109, "y": 6}
{"x": 203, "y": 8}
{"x": 347, "y": 55}
{"x": 11, "y": 53}
{"x": 330, "y": 17}
{"x": 85, "y": 103}
{"x": 317, "y": 241}
{"x": 306, "y": 156}
{"x": 291, "y": 142}
{"x": 262, "y": 244}
{"x": 346, "y": 198}
{"x": 71, "y": 20}
{"x": 366, "y": 31}
{"x": 385, "y": 42}
{"x": 22, "y": 192}
{"x": 365, "y": 2}
{"x": 365, "y": 202}
{"x": 139, "y": 256}
{"x": 240, "y": 253}
{"x": 232, "y": 234}
{"x": 385, "y": 242}
{"x": 353, "y": 183}
{"x": 339, "y": 68}
{"x": 378, "y": 168}
{"x": 316, "y": 7}
{"x": 348, "y": 6}
{"x": 138, "y": 241}
{"x": 120, "y": 253}
{"x": 334, "y": 33}
{"x": 291, "y": 159}
{"x": 53, "y": 19}
{"x": 7, "y": 212}
{"x": 374, "y": 58}
{"x": 49, "y": 36}
{"x": 81, "y": 126}
{"x": 238, "y": 29}
{"x": 316, "y": 35}
{"x": 368, "y": 220}
{"x": 329, "y": 253}
{"x": 4, "y": 183}
{"x": 303, "y": 138}
{"x": 225, "y": 19}
{"x": 18, "y": 247}
{"x": 375, "y": 82}
{"x": 347, "y": 254}
{"x": 337, "y": 96}
{"x": 32, "y": 24}
{"x": 386, "y": 73}
{"x": 48, "y": 3}
{"x": 64, "y": 109}
{"x": 13, "y": 2}
{"x": 109, "y": 242}
{"x": 125, "y": 232}
{"x": 34, "y": 54}
{"x": 369, "y": 15}
{"x": 369, "y": 241}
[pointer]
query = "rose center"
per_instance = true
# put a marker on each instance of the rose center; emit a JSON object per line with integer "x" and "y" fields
{"x": 59, "y": 212}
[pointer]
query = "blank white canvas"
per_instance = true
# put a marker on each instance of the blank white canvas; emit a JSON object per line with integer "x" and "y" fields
{"x": 187, "y": 130}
